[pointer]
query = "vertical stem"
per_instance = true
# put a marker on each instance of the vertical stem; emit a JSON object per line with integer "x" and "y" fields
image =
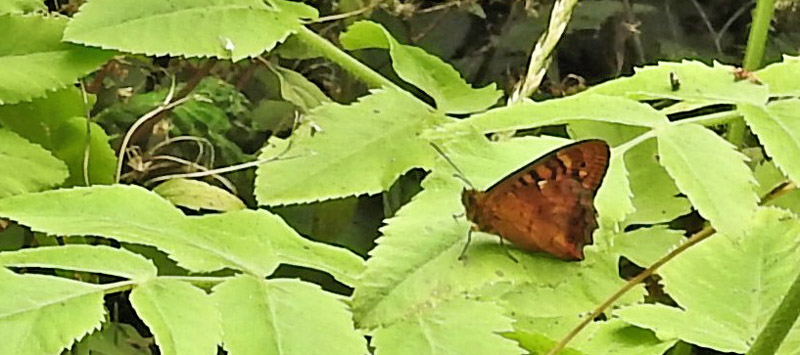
{"x": 756, "y": 43}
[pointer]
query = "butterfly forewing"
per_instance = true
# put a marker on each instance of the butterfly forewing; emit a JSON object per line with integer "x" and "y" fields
{"x": 548, "y": 204}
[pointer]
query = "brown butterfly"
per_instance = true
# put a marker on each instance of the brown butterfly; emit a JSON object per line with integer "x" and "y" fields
{"x": 547, "y": 205}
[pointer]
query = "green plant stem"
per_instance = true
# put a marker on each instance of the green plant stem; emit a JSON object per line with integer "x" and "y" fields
{"x": 757, "y": 40}
{"x": 201, "y": 281}
{"x": 754, "y": 54}
{"x": 713, "y": 119}
{"x": 779, "y": 323}
{"x": 364, "y": 73}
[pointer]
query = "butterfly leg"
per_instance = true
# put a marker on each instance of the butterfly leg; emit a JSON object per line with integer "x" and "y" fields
{"x": 505, "y": 248}
{"x": 464, "y": 251}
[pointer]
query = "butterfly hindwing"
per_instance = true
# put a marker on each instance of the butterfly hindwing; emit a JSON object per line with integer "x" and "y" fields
{"x": 548, "y": 204}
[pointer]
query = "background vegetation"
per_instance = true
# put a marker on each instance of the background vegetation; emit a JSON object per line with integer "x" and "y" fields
{"x": 256, "y": 177}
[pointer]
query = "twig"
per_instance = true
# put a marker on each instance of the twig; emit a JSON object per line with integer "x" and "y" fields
{"x": 708, "y": 24}
{"x": 637, "y": 40}
{"x": 142, "y": 120}
{"x": 540, "y": 58}
{"x": 344, "y": 15}
{"x": 728, "y": 23}
{"x": 694, "y": 239}
{"x": 88, "y": 142}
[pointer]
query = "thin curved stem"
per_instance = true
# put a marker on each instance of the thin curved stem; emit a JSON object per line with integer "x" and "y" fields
{"x": 141, "y": 121}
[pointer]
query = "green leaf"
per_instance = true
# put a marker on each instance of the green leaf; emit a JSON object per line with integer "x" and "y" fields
{"x": 613, "y": 199}
{"x": 459, "y": 326}
{"x": 711, "y": 173}
{"x": 654, "y": 193}
{"x": 655, "y": 196}
{"x": 699, "y": 83}
{"x": 197, "y": 195}
{"x": 613, "y": 337}
{"x": 360, "y": 148}
{"x": 27, "y": 167}
{"x": 114, "y": 338}
{"x": 743, "y": 280}
{"x": 20, "y": 6}
{"x": 229, "y": 29}
{"x": 781, "y": 78}
{"x": 181, "y": 317}
{"x": 98, "y": 259}
{"x": 646, "y": 245}
{"x": 38, "y": 62}
{"x": 529, "y": 114}
{"x": 283, "y": 317}
{"x": 298, "y": 90}
{"x": 425, "y": 71}
{"x": 54, "y": 123}
{"x": 778, "y": 129}
{"x": 44, "y": 314}
{"x": 251, "y": 241}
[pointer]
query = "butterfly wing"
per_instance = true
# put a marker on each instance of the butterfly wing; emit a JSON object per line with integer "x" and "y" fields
{"x": 548, "y": 204}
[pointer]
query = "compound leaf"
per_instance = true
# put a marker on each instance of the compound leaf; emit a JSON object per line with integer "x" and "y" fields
{"x": 38, "y": 62}
{"x": 181, "y": 317}
{"x": 27, "y": 167}
{"x": 276, "y": 317}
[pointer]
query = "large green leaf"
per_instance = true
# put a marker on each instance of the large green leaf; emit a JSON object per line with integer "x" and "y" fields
{"x": 27, "y": 167}
{"x": 427, "y": 72}
{"x": 20, "y": 6}
{"x": 742, "y": 281}
{"x": 181, "y": 317}
{"x": 782, "y": 77}
{"x": 45, "y": 315}
{"x": 283, "y": 317}
{"x": 459, "y": 326}
{"x": 229, "y": 29}
{"x": 529, "y": 114}
{"x": 251, "y": 241}
{"x": 698, "y": 83}
{"x": 38, "y": 62}
{"x": 56, "y": 124}
{"x": 360, "y": 148}
{"x": 778, "y": 129}
{"x": 711, "y": 173}
{"x": 80, "y": 257}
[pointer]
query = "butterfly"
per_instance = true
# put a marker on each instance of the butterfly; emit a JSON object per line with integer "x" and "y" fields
{"x": 547, "y": 205}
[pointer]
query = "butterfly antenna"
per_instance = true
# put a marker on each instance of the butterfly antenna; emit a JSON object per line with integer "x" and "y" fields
{"x": 459, "y": 174}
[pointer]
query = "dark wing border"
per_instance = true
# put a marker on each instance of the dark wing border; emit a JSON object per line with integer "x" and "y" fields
{"x": 552, "y": 154}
